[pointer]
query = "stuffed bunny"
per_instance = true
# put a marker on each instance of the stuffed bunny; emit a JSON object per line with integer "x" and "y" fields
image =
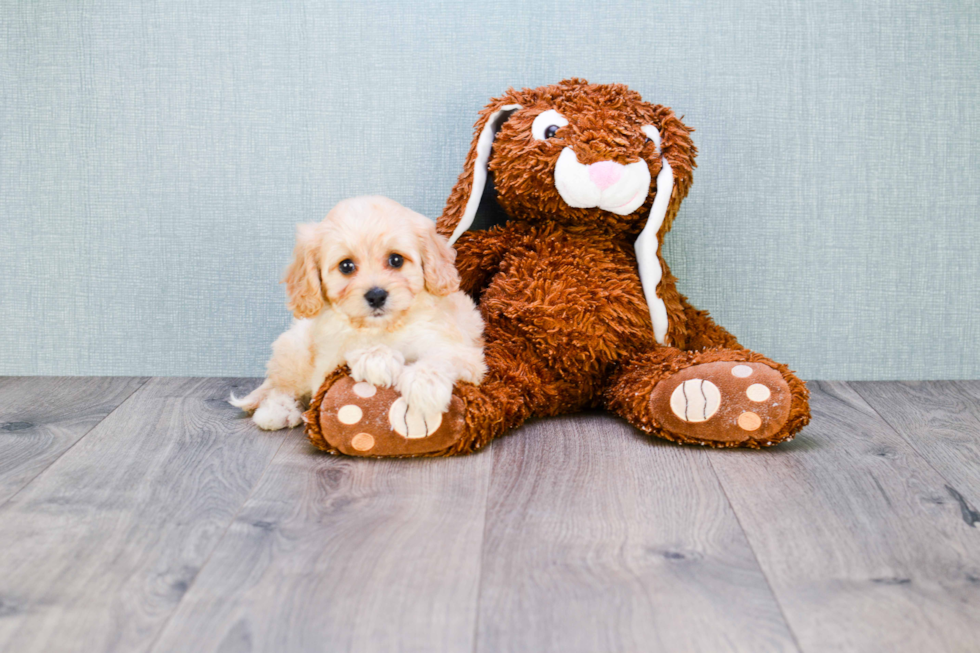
{"x": 557, "y": 220}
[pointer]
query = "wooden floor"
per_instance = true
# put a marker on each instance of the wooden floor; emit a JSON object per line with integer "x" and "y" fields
{"x": 149, "y": 515}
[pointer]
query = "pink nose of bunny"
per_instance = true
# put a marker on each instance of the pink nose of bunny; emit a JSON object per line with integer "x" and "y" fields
{"x": 605, "y": 173}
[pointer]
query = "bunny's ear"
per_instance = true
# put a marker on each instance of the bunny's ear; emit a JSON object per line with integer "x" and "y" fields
{"x": 648, "y": 242}
{"x": 464, "y": 201}
{"x": 672, "y": 140}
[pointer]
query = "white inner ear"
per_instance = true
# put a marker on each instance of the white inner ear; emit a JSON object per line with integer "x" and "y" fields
{"x": 483, "y": 145}
{"x": 647, "y": 243}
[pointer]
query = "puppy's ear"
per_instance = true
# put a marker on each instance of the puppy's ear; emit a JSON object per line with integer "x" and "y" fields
{"x": 302, "y": 277}
{"x": 438, "y": 260}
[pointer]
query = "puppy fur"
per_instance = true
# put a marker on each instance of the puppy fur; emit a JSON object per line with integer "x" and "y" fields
{"x": 423, "y": 338}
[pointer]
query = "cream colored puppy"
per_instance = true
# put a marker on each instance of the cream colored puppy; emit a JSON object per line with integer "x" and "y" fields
{"x": 372, "y": 286}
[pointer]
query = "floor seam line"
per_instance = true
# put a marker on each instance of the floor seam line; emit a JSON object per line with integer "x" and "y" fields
{"x": 483, "y": 543}
{"x": 147, "y": 379}
{"x": 218, "y": 542}
{"x": 904, "y": 439}
{"x": 755, "y": 556}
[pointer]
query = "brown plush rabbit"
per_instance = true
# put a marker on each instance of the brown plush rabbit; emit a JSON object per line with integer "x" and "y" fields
{"x": 581, "y": 182}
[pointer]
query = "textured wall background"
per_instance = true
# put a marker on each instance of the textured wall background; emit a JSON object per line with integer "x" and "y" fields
{"x": 154, "y": 157}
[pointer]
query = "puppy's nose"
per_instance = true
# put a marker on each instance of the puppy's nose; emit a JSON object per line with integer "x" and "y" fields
{"x": 605, "y": 173}
{"x": 376, "y": 297}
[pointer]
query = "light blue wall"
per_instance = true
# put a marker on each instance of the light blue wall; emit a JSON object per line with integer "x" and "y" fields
{"x": 155, "y": 156}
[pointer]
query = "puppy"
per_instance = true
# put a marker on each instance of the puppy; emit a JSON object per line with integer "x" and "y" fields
{"x": 373, "y": 286}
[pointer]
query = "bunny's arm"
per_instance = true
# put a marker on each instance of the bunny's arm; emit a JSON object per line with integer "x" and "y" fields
{"x": 478, "y": 258}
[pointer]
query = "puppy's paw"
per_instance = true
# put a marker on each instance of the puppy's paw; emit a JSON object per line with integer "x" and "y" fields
{"x": 379, "y": 365}
{"x": 277, "y": 411}
{"x": 427, "y": 390}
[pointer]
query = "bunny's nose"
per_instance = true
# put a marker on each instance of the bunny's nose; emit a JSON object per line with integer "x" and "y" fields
{"x": 376, "y": 297}
{"x": 605, "y": 173}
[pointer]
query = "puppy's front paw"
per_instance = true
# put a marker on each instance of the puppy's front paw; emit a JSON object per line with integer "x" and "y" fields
{"x": 277, "y": 411}
{"x": 426, "y": 390}
{"x": 378, "y": 365}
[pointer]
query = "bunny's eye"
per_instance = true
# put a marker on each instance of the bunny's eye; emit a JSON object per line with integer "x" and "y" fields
{"x": 347, "y": 267}
{"x": 546, "y": 124}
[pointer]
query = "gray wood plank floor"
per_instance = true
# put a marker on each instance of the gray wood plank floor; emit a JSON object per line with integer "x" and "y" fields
{"x": 41, "y": 418}
{"x": 148, "y": 515}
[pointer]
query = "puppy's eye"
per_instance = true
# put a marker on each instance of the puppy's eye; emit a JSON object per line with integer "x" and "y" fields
{"x": 396, "y": 260}
{"x": 546, "y": 124}
{"x": 347, "y": 266}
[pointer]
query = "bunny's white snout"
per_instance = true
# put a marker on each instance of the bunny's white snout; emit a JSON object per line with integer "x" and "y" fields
{"x": 611, "y": 186}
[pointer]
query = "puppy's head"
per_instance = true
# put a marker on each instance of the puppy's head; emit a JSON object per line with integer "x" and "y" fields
{"x": 368, "y": 259}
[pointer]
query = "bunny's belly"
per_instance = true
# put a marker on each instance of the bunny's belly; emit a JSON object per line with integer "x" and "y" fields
{"x": 569, "y": 305}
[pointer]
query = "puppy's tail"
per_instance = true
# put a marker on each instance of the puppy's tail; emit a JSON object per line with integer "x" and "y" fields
{"x": 251, "y": 401}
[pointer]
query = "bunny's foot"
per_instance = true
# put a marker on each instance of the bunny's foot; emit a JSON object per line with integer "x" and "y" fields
{"x": 715, "y": 397}
{"x": 360, "y": 419}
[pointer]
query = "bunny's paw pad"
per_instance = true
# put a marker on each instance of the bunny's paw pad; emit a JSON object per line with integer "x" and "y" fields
{"x": 723, "y": 403}
{"x": 359, "y": 419}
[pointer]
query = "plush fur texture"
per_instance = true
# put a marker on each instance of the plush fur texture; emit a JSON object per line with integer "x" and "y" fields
{"x": 572, "y": 177}
{"x": 398, "y": 322}
{"x": 567, "y": 326}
